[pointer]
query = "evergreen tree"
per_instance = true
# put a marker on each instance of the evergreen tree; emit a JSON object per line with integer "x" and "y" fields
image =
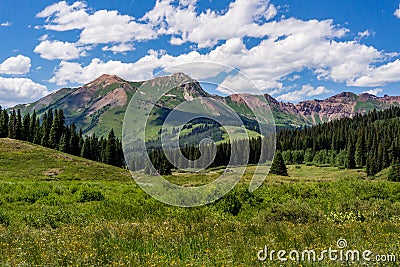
{"x": 86, "y": 149}
{"x": 111, "y": 149}
{"x": 394, "y": 173}
{"x": 45, "y": 129}
{"x": 360, "y": 149}
{"x": 32, "y": 127}
{"x": 74, "y": 141}
{"x": 25, "y": 127}
{"x": 55, "y": 131}
{"x": 278, "y": 166}
{"x": 351, "y": 162}
{"x": 12, "y": 125}
{"x": 120, "y": 154}
{"x": 18, "y": 126}
{"x": 64, "y": 142}
{"x": 3, "y": 123}
{"x": 38, "y": 133}
{"x": 95, "y": 150}
{"x": 148, "y": 169}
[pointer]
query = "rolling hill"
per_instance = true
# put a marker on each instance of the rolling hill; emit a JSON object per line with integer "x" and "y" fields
{"x": 51, "y": 165}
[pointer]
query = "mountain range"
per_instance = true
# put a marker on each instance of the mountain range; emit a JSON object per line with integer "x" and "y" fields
{"x": 100, "y": 105}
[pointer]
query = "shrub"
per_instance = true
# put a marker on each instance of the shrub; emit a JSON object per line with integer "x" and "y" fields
{"x": 230, "y": 204}
{"x": 237, "y": 199}
{"x": 296, "y": 212}
{"x": 4, "y": 220}
{"x": 88, "y": 194}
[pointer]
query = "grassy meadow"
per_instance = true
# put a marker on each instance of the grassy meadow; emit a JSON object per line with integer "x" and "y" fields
{"x": 61, "y": 210}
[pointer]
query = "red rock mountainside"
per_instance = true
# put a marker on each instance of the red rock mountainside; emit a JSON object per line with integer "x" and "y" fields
{"x": 100, "y": 105}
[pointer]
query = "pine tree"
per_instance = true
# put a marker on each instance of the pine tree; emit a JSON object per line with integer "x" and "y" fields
{"x": 45, "y": 129}
{"x": 25, "y": 127}
{"x": 38, "y": 133}
{"x": 360, "y": 150}
{"x": 64, "y": 142}
{"x": 278, "y": 166}
{"x": 111, "y": 149}
{"x": 32, "y": 127}
{"x": 147, "y": 168}
{"x": 95, "y": 150}
{"x": 55, "y": 131}
{"x": 3, "y": 123}
{"x": 74, "y": 141}
{"x": 86, "y": 149}
{"x": 18, "y": 126}
{"x": 394, "y": 173}
{"x": 120, "y": 154}
{"x": 351, "y": 162}
{"x": 379, "y": 157}
{"x": 12, "y": 125}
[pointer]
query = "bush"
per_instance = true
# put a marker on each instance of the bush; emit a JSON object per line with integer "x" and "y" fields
{"x": 230, "y": 204}
{"x": 237, "y": 199}
{"x": 88, "y": 195}
{"x": 296, "y": 212}
{"x": 48, "y": 217}
{"x": 4, "y": 220}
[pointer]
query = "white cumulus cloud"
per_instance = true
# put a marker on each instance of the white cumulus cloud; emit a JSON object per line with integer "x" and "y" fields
{"x": 20, "y": 90}
{"x": 286, "y": 45}
{"x": 63, "y": 17}
{"x": 15, "y": 65}
{"x": 101, "y": 27}
{"x": 375, "y": 91}
{"x": 120, "y": 48}
{"x": 305, "y": 92}
{"x": 397, "y": 12}
{"x": 71, "y": 72}
{"x": 58, "y": 50}
{"x": 207, "y": 28}
{"x": 379, "y": 76}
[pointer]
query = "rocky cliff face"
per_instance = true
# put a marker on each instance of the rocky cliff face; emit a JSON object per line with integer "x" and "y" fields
{"x": 343, "y": 105}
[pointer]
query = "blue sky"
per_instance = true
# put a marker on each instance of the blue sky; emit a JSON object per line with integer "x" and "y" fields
{"x": 293, "y": 50}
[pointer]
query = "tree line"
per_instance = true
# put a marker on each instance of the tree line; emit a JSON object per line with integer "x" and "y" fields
{"x": 230, "y": 153}
{"x": 371, "y": 141}
{"x": 51, "y": 131}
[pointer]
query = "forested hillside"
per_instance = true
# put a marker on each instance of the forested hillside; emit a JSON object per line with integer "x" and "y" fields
{"x": 51, "y": 131}
{"x": 371, "y": 141}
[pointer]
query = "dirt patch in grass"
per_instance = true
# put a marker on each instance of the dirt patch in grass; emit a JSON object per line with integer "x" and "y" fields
{"x": 52, "y": 172}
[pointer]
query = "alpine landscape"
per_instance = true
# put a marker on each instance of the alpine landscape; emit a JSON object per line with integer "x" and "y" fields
{"x": 200, "y": 133}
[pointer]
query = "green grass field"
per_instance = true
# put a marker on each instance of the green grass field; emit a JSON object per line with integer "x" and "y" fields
{"x": 61, "y": 210}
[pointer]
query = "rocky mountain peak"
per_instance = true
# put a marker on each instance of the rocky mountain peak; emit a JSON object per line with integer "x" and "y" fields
{"x": 104, "y": 80}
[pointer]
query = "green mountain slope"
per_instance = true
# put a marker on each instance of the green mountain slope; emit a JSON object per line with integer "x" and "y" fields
{"x": 101, "y": 104}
